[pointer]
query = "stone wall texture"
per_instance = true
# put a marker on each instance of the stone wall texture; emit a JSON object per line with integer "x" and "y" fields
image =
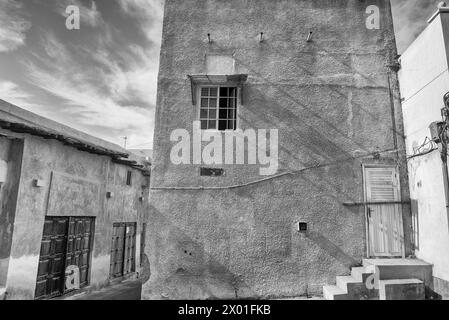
{"x": 334, "y": 100}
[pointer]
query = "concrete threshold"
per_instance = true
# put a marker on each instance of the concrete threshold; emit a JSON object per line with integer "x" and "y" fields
{"x": 395, "y": 262}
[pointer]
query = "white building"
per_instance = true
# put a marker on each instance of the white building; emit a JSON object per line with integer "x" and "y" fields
{"x": 424, "y": 79}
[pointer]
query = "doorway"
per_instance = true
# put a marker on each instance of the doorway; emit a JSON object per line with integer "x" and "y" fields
{"x": 123, "y": 249}
{"x": 66, "y": 242}
{"x": 385, "y": 235}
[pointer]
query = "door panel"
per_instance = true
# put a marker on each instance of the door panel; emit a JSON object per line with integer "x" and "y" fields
{"x": 66, "y": 241}
{"x": 79, "y": 244}
{"x": 143, "y": 243}
{"x": 117, "y": 250}
{"x": 51, "y": 267}
{"x": 385, "y": 231}
{"x": 123, "y": 248}
{"x": 130, "y": 249}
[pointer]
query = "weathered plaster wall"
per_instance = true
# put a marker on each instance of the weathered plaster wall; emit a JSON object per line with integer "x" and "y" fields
{"x": 76, "y": 183}
{"x": 424, "y": 80}
{"x": 331, "y": 102}
{"x": 11, "y": 154}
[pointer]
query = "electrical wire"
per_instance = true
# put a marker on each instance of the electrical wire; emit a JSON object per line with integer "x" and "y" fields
{"x": 318, "y": 165}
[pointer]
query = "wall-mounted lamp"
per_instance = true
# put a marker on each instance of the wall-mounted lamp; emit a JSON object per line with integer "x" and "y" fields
{"x": 109, "y": 194}
{"x": 38, "y": 183}
{"x": 261, "y": 39}
{"x": 309, "y": 37}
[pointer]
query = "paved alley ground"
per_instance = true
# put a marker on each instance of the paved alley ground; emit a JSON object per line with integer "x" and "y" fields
{"x": 128, "y": 290}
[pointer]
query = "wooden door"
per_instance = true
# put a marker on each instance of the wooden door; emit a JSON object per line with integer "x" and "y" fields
{"x": 80, "y": 235}
{"x": 117, "y": 250}
{"x": 123, "y": 249}
{"x": 50, "y": 277}
{"x": 143, "y": 243}
{"x": 130, "y": 249}
{"x": 384, "y": 212}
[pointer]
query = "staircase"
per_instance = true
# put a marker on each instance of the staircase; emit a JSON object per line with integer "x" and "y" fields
{"x": 383, "y": 279}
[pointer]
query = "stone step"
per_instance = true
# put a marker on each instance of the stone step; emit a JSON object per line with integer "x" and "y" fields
{"x": 360, "y": 273}
{"x": 345, "y": 282}
{"x": 334, "y": 293}
{"x": 393, "y": 269}
{"x": 401, "y": 289}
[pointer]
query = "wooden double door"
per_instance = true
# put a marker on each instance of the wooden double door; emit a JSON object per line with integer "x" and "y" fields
{"x": 123, "y": 249}
{"x": 66, "y": 242}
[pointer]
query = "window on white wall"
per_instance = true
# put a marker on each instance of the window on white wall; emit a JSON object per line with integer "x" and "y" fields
{"x": 218, "y": 108}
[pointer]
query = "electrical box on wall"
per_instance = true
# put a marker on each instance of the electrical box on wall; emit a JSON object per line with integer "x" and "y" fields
{"x": 302, "y": 227}
{"x": 435, "y": 130}
{"x": 38, "y": 183}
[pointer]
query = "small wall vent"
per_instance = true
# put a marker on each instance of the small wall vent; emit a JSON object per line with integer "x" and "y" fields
{"x": 212, "y": 172}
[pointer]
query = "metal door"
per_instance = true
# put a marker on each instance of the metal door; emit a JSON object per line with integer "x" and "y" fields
{"x": 384, "y": 212}
{"x": 50, "y": 276}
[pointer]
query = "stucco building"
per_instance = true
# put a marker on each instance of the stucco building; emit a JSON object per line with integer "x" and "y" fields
{"x": 73, "y": 208}
{"x": 325, "y": 79}
{"x": 424, "y": 79}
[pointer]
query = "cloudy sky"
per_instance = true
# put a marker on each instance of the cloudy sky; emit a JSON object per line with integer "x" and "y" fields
{"x": 101, "y": 79}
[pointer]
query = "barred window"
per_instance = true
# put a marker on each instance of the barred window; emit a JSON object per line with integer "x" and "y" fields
{"x": 218, "y": 108}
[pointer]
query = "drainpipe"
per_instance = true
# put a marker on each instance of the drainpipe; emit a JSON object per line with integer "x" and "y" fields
{"x": 440, "y": 134}
{"x": 445, "y": 141}
{"x": 443, "y": 151}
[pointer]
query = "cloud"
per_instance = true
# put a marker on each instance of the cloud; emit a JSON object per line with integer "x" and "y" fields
{"x": 12, "y": 93}
{"x": 98, "y": 94}
{"x": 13, "y": 26}
{"x": 410, "y": 19}
{"x": 149, "y": 15}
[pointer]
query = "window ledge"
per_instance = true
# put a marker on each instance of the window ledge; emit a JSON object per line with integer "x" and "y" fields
{"x": 236, "y": 80}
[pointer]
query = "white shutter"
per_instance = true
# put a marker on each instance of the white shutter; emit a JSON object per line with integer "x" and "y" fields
{"x": 381, "y": 185}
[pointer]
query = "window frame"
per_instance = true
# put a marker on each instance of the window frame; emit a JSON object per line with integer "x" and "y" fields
{"x": 237, "y": 107}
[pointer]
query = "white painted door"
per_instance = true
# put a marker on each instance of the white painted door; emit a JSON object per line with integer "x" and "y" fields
{"x": 385, "y": 230}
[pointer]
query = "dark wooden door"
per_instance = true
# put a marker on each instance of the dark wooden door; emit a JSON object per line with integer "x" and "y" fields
{"x": 79, "y": 241}
{"x": 130, "y": 249}
{"x": 123, "y": 249}
{"x": 50, "y": 276}
{"x": 143, "y": 243}
{"x": 117, "y": 250}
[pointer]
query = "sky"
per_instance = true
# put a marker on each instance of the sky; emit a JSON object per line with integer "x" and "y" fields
{"x": 102, "y": 78}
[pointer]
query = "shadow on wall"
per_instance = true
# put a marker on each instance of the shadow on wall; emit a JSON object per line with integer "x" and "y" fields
{"x": 331, "y": 249}
{"x": 415, "y": 224}
{"x": 183, "y": 269}
{"x": 189, "y": 272}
